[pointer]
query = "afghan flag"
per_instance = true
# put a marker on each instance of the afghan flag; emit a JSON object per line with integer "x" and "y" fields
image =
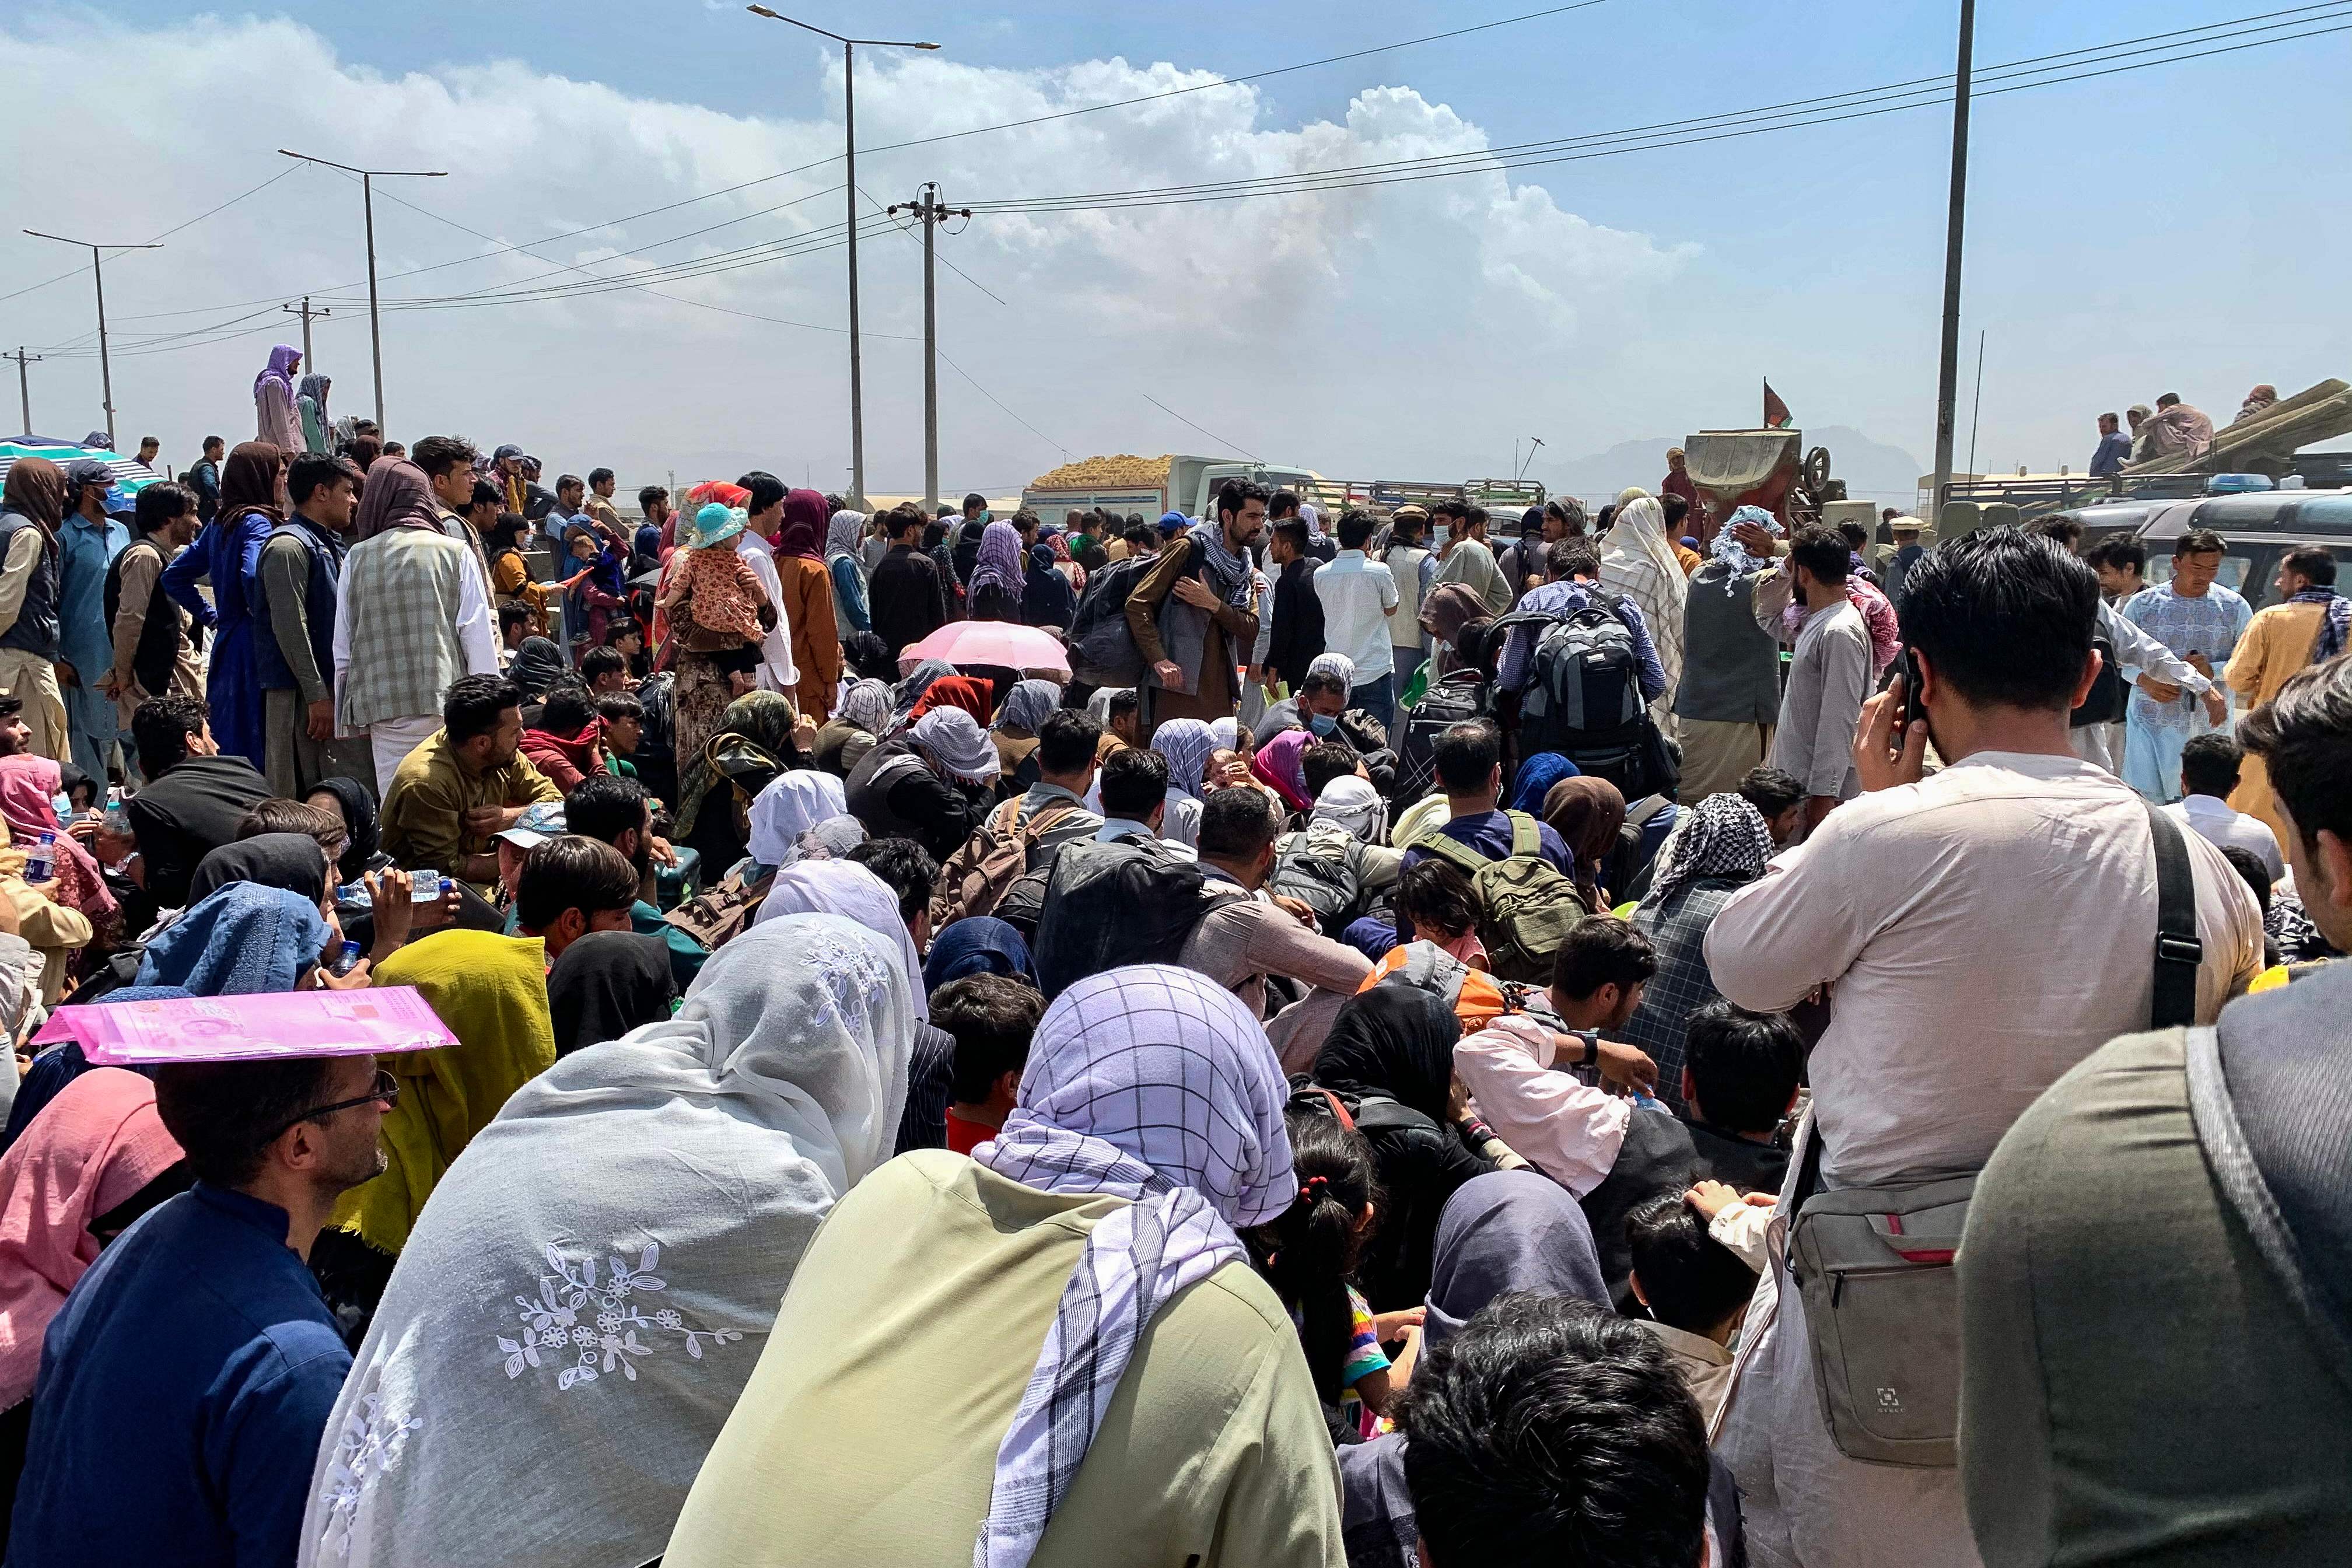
{"x": 1776, "y": 413}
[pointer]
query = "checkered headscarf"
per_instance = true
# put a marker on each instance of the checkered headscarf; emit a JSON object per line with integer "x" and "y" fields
{"x": 1152, "y": 1084}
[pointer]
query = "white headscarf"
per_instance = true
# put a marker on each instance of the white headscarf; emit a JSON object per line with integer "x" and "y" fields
{"x": 591, "y": 1285}
{"x": 846, "y": 888}
{"x": 1153, "y": 1084}
{"x": 954, "y": 739}
{"x": 1312, "y": 518}
{"x": 1353, "y": 803}
{"x": 793, "y": 801}
{"x": 1098, "y": 705}
{"x": 1641, "y": 564}
{"x": 867, "y": 705}
{"x": 1337, "y": 664}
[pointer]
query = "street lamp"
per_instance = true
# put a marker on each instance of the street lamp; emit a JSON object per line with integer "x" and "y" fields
{"x": 849, "y": 137}
{"x": 105, "y": 367}
{"x": 367, "y": 200}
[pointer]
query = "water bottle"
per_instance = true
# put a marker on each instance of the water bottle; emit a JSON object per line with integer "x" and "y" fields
{"x": 41, "y": 859}
{"x": 349, "y": 959}
{"x": 424, "y": 886}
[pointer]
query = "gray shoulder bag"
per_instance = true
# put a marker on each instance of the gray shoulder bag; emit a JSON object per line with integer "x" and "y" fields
{"x": 1875, "y": 1264}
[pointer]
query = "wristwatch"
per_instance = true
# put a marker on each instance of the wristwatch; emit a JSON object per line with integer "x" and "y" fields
{"x": 1591, "y": 1038}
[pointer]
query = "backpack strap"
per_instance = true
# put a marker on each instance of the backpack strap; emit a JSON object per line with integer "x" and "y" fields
{"x": 1527, "y": 838}
{"x": 2177, "y": 951}
{"x": 1454, "y": 851}
{"x": 1642, "y": 810}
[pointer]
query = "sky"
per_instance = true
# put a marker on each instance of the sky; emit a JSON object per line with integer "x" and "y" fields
{"x": 2167, "y": 229}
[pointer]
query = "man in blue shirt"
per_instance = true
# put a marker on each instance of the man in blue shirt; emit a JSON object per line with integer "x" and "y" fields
{"x": 87, "y": 546}
{"x": 2113, "y": 449}
{"x": 186, "y": 1383}
{"x": 1469, "y": 758}
{"x": 1574, "y": 571}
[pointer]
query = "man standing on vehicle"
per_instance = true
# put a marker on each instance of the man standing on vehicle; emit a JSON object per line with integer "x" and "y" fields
{"x": 2113, "y": 449}
{"x": 1194, "y": 613}
{"x": 2199, "y": 620}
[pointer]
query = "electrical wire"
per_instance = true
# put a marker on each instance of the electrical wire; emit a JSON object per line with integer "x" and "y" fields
{"x": 167, "y": 234}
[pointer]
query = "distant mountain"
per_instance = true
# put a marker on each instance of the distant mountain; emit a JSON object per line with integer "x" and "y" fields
{"x": 1872, "y": 469}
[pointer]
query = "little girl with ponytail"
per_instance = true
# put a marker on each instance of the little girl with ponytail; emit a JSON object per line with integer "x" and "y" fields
{"x": 1308, "y": 1253}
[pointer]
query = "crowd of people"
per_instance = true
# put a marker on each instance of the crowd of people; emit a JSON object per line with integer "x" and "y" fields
{"x": 1402, "y": 1048}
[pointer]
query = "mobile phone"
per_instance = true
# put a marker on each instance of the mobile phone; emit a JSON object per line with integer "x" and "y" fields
{"x": 1906, "y": 665}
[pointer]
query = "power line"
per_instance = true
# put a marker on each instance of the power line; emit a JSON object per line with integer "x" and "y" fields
{"x": 158, "y": 239}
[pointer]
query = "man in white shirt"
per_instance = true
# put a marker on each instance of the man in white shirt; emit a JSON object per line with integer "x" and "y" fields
{"x": 1982, "y": 930}
{"x": 2209, "y": 771}
{"x": 1357, "y": 595}
{"x": 1828, "y": 676}
{"x": 764, "y": 514}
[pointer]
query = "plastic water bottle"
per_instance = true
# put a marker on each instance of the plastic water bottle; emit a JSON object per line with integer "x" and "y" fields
{"x": 41, "y": 859}
{"x": 349, "y": 959}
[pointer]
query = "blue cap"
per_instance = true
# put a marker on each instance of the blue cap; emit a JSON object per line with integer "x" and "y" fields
{"x": 1174, "y": 522}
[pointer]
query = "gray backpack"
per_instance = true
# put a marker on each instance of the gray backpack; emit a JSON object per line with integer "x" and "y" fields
{"x": 1875, "y": 1264}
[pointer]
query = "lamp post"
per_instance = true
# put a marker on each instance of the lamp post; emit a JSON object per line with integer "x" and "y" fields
{"x": 97, "y": 275}
{"x": 367, "y": 203}
{"x": 1947, "y": 373}
{"x": 849, "y": 154}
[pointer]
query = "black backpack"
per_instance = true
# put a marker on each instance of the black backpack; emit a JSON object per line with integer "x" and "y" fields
{"x": 1118, "y": 903}
{"x": 1333, "y": 888}
{"x": 1449, "y": 701}
{"x": 2104, "y": 702}
{"x": 1586, "y": 689}
{"x": 1102, "y": 648}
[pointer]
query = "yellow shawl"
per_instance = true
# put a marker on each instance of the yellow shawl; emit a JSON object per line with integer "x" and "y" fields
{"x": 491, "y": 990}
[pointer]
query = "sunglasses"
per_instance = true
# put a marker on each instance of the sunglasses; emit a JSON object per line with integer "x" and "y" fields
{"x": 387, "y": 1088}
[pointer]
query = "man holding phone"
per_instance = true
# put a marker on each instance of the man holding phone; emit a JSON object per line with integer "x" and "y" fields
{"x": 1829, "y": 676}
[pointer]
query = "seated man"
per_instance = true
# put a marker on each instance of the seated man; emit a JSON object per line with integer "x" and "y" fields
{"x": 1696, "y": 1290}
{"x": 617, "y": 811}
{"x": 1469, "y": 761}
{"x": 1322, "y": 698}
{"x": 622, "y": 718}
{"x": 192, "y": 799}
{"x": 607, "y": 669}
{"x": 1779, "y": 798}
{"x": 2210, "y": 765}
{"x": 569, "y": 887}
{"x": 1134, "y": 788}
{"x": 465, "y": 786}
{"x": 1740, "y": 1072}
{"x": 567, "y": 744}
{"x": 991, "y": 1018}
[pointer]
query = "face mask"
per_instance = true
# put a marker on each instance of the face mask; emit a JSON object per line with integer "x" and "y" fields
{"x": 1322, "y": 723}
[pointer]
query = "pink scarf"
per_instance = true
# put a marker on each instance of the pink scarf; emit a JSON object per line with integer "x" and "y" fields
{"x": 28, "y": 784}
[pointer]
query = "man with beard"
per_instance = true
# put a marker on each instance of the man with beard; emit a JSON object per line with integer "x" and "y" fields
{"x": 302, "y": 577}
{"x": 617, "y": 811}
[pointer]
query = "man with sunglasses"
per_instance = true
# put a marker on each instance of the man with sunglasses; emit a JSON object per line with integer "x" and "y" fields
{"x": 186, "y": 1381}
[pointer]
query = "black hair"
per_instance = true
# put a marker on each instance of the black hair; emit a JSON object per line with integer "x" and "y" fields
{"x": 900, "y": 522}
{"x": 10, "y": 706}
{"x": 486, "y": 494}
{"x": 992, "y": 1018}
{"x": 2250, "y": 866}
{"x": 1466, "y": 755}
{"x": 572, "y": 871}
{"x": 602, "y": 806}
{"x": 1744, "y": 1066}
{"x": 280, "y": 814}
{"x": 473, "y": 704}
{"x": 1598, "y": 951}
{"x": 1690, "y": 1280}
{"x": 163, "y": 727}
{"x": 1570, "y": 557}
{"x": 1822, "y": 553}
{"x": 567, "y": 481}
{"x": 436, "y": 455}
{"x": 1355, "y": 529}
{"x": 1323, "y": 681}
{"x": 160, "y": 503}
{"x": 2117, "y": 552}
{"x": 1235, "y": 494}
{"x": 2066, "y": 531}
{"x": 766, "y": 488}
{"x": 566, "y": 707}
{"x": 211, "y": 441}
{"x": 224, "y": 1114}
{"x": 72, "y": 781}
{"x": 1067, "y": 742}
{"x": 1308, "y": 1251}
{"x": 2004, "y": 615}
{"x": 1124, "y": 702}
{"x": 618, "y": 705}
{"x": 1140, "y": 537}
{"x": 1437, "y": 894}
{"x": 1094, "y": 558}
{"x": 1236, "y": 824}
{"x": 2304, "y": 734}
{"x": 650, "y": 494}
{"x": 1677, "y": 508}
{"x": 870, "y": 657}
{"x": 2209, "y": 765}
{"x": 314, "y": 471}
{"x": 605, "y": 660}
{"x": 1134, "y": 782}
{"x": 974, "y": 499}
{"x": 1855, "y": 535}
{"x": 1770, "y": 791}
{"x": 905, "y": 866}
{"x": 2313, "y": 563}
{"x": 507, "y": 531}
{"x": 1282, "y": 504}
{"x": 1325, "y": 761}
{"x": 598, "y": 476}
{"x": 512, "y": 616}
{"x": 1293, "y": 531}
{"x": 1551, "y": 1431}
{"x": 2198, "y": 541}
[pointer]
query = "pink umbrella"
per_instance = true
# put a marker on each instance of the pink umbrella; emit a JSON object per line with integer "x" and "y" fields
{"x": 999, "y": 643}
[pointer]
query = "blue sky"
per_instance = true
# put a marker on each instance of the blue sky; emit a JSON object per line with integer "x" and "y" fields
{"x": 2175, "y": 228}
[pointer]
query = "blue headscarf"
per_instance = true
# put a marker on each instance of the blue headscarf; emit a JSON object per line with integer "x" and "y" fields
{"x": 243, "y": 940}
{"x": 979, "y": 944}
{"x": 1537, "y": 775}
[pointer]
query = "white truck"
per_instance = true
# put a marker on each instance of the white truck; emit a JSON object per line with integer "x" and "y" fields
{"x": 1148, "y": 488}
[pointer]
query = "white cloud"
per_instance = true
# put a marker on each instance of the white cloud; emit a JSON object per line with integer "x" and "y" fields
{"x": 1193, "y": 302}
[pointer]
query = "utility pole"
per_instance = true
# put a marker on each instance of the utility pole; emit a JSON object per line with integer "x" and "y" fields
{"x": 97, "y": 275}
{"x": 849, "y": 152}
{"x": 367, "y": 203}
{"x": 24, "y": 387}
{"x": 927, "y": 207}
{"x": 1977, "y": 412}
{"x": 1948, "y": 375}
{"x": 305, "y": 311}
